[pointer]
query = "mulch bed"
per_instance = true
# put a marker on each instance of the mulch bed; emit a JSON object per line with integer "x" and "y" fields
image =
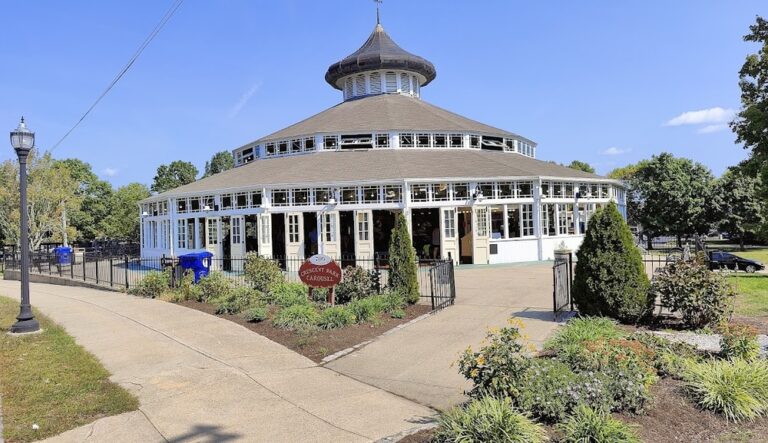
{"x": 759, "y": 323}
{"x": 321, "y": 343}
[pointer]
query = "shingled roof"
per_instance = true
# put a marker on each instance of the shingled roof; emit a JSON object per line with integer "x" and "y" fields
{"x": 379, "y": 165}
{"x": 379, "y": 52}
{"x": 382, "y": 113}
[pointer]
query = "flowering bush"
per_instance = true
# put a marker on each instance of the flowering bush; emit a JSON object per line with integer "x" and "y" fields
{"x": 739, "y": 341}
{"x": 498, "y": 369}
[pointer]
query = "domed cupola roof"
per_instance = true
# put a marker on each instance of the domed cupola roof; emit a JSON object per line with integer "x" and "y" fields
{"x": 379, "y": 52}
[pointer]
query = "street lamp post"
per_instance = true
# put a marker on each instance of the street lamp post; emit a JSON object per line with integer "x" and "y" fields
{"x": 23, "y": 140}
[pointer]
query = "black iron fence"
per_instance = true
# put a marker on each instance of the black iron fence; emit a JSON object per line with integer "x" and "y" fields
{"x": 435, "y": 277}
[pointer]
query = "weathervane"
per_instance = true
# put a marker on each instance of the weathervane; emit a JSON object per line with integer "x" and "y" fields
{"x": 378, "y": 17}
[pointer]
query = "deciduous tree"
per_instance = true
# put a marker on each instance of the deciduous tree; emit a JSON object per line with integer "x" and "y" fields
{"x": 123, "y": 220}
{"x": 176, "y": 174}
{"x": 582, "y": 166}
{"x": 220, "y": 162}
{"x": 740, "y": 206}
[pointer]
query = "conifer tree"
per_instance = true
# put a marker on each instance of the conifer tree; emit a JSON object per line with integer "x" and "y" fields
{"x": 402, "y": 261}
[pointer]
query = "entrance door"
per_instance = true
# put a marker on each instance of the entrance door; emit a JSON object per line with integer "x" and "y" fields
{"x": 294, "y": 240}
{"x": 329, "y": 234}
{"x": 465, "y": 236}
{"x": 481, "y": 243}
{"x": 449, "y": 244}
{"x": 237, "y": 241}
{"x": 265, "y": 235}
{"x": 213, "y": 241}
{"x": 364, "y": 237}
{"x": 347, "y": 238}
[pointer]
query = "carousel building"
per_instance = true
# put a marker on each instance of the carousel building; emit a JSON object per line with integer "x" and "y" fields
{"x": 333, "y": 183}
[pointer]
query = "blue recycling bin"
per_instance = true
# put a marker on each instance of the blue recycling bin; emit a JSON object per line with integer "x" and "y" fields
{"x": 63, "y": 255}
{"x": 198, "y": 262}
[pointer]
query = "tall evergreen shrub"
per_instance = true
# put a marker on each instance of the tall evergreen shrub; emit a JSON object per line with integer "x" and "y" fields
{"x": 610, "y": 276}
{"x": 402, "y": 261}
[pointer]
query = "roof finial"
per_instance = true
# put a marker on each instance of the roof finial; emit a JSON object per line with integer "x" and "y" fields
{"x": 378, "y": 15}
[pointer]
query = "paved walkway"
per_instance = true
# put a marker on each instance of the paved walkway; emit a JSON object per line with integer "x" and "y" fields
{"x": 203, "y": 379}
{"x": 418, "y": 362}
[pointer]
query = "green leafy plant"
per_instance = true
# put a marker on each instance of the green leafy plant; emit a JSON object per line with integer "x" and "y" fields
{"x": 739, "y": 341}
{"x": 336, "y": 317}
{"x": 256, "y": 314}
{"x": 214, "y": 286}
{"x": 488, "y": 419}
{"x": 288, "y": 294}
{"x": 356, "y": 283}
{"x": 397, "y": 313}
{"x": 186, "y": 289}
{"x": 669, "y": 358}
{"x": 578, "y": 331}
{"x": 736, "y": 388}
{"x": 587, "y": 425}
{"x": 499, "y": 367}
{"x": 688, "y": 287}
{"x": 393, "y": 301}
{"x": 403, "y": 271}
{"x": 297, "y": 317}
{"x": 610, "y": 277}
{"x": 235, "y": 300}
{"x": 154, "y": 284}
{"x": 367, "y": 309}
{"x": 262, "y": 273}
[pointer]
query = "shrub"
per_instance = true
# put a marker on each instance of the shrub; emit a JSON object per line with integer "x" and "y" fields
{"x": 186, "y": 289}
{"x": 336, "y": 317}
{"x": 397, "y": 313}
{"x": 154, "y": 284}
{"x": 393, "y": 301}
{"x": 262, "y": 273}
{"x": 235, "y": 300}
{"x": 670, "y": 358}
{"x": 215, "y": 285}
{"x": 551, "y": 390}
{"x": 498, "y": 369}
{"x": 701, "y": 296}
{"x": 288, "y": 294}
{"x": 488, "y": 420}
{"x": 578, "y": 331}
{"x": 356, "y": 283}
{"x": 739, "y": 341}
{"x": 589, "y": 426}
{"x": 367, "y": 309}
{"x": 738, "y": 389}
{"x": 610, "y": 277}
{"x": 256, "y": 314}
{"x": 402, "y": 261}
{"x": 297, "y": 317}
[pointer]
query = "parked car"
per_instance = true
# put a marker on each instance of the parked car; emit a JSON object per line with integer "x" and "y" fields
{"x": 726, "y": 260}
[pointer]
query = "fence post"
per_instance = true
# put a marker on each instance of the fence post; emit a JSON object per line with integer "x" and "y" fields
{"x": 111, "y": 273}
{"x": 554, "y": 289}
{"x": 453, "y": 281}
{"x": 84, "y": 260}
{"x": 97, "y": 271}
{"x": 432, "y": 287}
{"x": 126, "y": 272}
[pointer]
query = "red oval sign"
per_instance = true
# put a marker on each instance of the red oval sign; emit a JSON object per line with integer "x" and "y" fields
{"x": 320, "y": 271}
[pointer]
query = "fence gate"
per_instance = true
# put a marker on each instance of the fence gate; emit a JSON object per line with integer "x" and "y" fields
{"x": 442, "y": 284}
{"x": 561, "y": 275}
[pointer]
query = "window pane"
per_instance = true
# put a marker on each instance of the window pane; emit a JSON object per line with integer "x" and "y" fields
{"x": 371, "y": 194}
{"x": 513, "y": 221}
{"x": 392, "y": 194}
{"x": 440, "y": 192}
{"x": 301, "y": 197}
{"x": 460, "y": 191}
{"x": 497, "y": 222}
{"x": 420, "y": 193}
{"x": 348, "y": 195}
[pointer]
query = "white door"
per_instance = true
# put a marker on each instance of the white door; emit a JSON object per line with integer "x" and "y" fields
{"x": 329, "y": 234}
{"x": 237, "y": 242}
{"x": 294, "y": 240}
{"x": 480, "y": 244}
{"x": 364, "y": 238}
{"x": 213, "y": 241}
{"x": 449, "y": 239}
{"x": 264, "y": 224}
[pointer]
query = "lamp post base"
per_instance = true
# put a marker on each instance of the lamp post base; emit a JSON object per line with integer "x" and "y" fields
{"x": 25, "y": 326}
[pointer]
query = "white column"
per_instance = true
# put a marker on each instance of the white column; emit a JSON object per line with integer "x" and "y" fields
{"x": 173, "y": 228}
{"x": 537, "y": 218}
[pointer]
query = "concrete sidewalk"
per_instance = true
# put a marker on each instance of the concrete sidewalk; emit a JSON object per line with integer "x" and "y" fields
{"x": 201, "y": 378}
{"x": 418, "y": 362}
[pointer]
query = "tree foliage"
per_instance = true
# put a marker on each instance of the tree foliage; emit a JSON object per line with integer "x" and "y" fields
{"x": 402, "y": 261}
{"x": 582, "y": 166}
{"x": 178, "y": 173}
{"x": 610, "y": 276}
{"x": 741, "y": 209}
{"x": 220, "y": 162}
{"x": 751, "y": 124}
{"x": 674, "y": 196}
{"x": 95, "y": 194}
{"x": 122, "y": 223}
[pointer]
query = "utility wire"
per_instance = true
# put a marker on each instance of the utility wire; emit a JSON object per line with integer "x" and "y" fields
{"x": 165, "y": 18}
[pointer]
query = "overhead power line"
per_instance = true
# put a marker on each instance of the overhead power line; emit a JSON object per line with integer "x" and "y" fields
{"x": 165, "y": 18}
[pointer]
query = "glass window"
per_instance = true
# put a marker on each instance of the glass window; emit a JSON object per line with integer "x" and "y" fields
{"x": 390, "y": 79}
{"x": 406, "y": 141}
{"x": 526, "y": 214}
{"x": 440, "y": 192}
{"x": 360, "y": 85}
{"x": 255, "y": 199}
{"x": 546, "y": 189}
{"x": 524, "y": 190}
{"x": 370, "y": 194}
{"x": 349, "y": 195}
{"x": 497, "y": 222}
{"x": 201, "y": 233}
{"x": 506, "y": 190}
{"x": 513, "y": 221}
{"x": 213, "y": 231}
{"x": 569, "y": 190}
{"x": 486, "y": 189}
{"x": 565, "y": 223}
{"x": 604, "y": 191}
{"x": 241, "y": 200}
{"x": 330, "y": 142}
{"x": 363, "y": 231}
{"x": 271, "y": 149}
{"x": 474, "y": 141}
{"x": 282, "y": 147}
{"x": 382, "y": 140}
{"x": 482, "y": 222}
{"x": 181, "y": 234}
{"x": 280, "y": 198}
{"x": 194, "y": 204}
{"x": 420, "y": 192}
{"x": 392, "y": 194}
{"x": 449, "y": 223}
{"x": 548, "y": 227}
{"x": 191, "y": 233}
{"x": 460, "y": 191}
{"x": 329, "y": 227}
{"x": 293, "y": 228}
{"x": 457, "y": 141}
{"x": 440, "y": 141}
{"x": 237, "y": 230}
{"x": 309, "y": 144}
{"x": 266, "y": 231}
{"x": 405, "y": 83}
{"x": 422, "y": 141}
{"x": 322, "y": 195}
{"x": 182, "y": 204}
{"x": 301, "y": 197}
{"x": 375, "y": 81}
{"x": 226, "y": 201}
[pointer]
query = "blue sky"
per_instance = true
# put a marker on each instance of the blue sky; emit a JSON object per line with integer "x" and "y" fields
{"x": 605, "y": 82}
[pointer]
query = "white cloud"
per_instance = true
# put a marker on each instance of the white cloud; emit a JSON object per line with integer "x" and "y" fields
{"x": 110, "y": 172}
{"x": 244, "y": 99}
{"x": 613, "y": 150}
{"x": 713, "y": 128}
{"x": 711, "y": 116}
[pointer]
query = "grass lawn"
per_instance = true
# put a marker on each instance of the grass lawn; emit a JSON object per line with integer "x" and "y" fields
{"x": 49, "y": 380}
{"x": 760, "y": 255}
{"x": 751, "y": 294}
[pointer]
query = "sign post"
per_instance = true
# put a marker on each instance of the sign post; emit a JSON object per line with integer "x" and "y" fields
{"x": 320, "y": 271}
